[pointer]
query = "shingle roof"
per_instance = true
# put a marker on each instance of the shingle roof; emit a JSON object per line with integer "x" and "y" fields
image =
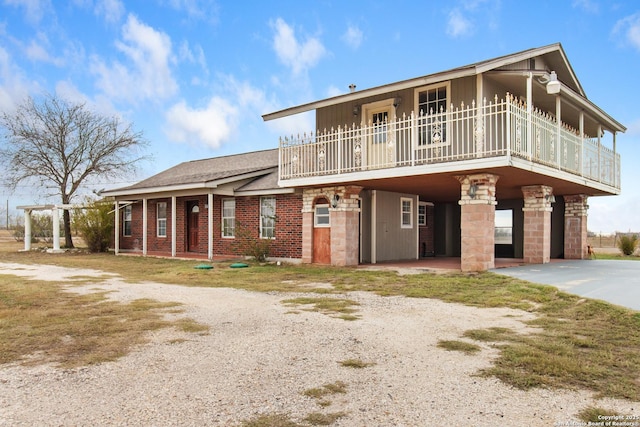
{"x": 208, "y": 170}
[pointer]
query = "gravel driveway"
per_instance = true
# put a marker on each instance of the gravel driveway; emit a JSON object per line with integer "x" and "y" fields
{"x": 259, "y": 358}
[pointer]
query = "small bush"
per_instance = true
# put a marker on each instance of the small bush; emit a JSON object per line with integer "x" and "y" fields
{"x": 95, "y": 225}
{"x": 628, "y": 244}
{"x": 251, "y": 244}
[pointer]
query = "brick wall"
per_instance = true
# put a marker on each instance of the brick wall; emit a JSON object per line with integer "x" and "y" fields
{"x": 288, "y": 229}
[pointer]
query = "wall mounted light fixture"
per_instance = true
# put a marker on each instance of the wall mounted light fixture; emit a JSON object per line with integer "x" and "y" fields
{"x": 334, "y": 201}
{"x": 550, "y": 198}
{"x": 356, "y": 110}
{"x": 473, "y": 190}
{"x": 553, "y": 85}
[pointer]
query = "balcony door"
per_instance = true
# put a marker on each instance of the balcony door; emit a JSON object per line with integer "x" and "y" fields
{"x": 381, "y": 150}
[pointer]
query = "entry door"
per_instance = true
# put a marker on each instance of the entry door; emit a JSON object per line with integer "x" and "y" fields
{"x": 193, "y": 213}
{"x": 321, "y": 234}
{"x": 380, "y": 149}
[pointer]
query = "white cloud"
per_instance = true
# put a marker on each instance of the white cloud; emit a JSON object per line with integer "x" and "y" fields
{"x": 35, "y": 9}
{"x": 458, "y": 25}
{"x": 333, "y": 91}
{"x": 39, "y": 50}
{"x": 353, "y": 37}
{"x": 629, "y": 27}
{"x": 298, "y": 56}
{"x": 147, "y": 72}
{"x": 14, "y": 88}
{"x": 206, "y": 10}
{"x": 112, "y": 10}
{"x": 586, "y": 5}
{"x": 211, "y": 125}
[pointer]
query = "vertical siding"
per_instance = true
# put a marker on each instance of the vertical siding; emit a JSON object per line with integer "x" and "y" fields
{"x": 393, "y": 241}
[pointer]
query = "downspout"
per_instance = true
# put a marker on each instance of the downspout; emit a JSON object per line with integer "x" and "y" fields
{"x": 580, "y": 167}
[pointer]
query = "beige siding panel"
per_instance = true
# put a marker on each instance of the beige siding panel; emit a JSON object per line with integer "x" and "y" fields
{"x": 393, "y": 242}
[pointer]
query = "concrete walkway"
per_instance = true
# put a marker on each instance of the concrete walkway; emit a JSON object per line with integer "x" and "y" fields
{"x": 617, "y": 282}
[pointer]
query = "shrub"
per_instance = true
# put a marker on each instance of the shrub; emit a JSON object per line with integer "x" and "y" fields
{"x": 95, "y": 225}
{"x": 251, "y": 244}
{"x": 41, "y": 229}
{"x": 628, "y": 243}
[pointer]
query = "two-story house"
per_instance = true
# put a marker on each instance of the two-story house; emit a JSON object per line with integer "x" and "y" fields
{"x": 513, "y": 138}
{"x": 493, "y": 158}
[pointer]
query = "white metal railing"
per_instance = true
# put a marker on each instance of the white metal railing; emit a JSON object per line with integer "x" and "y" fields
{"x": 497, "y": 128}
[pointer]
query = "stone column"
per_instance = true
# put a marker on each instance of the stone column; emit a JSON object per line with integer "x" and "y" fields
{"x": 27, "y": 230}
{"x": 477, "y": 222}
{"x": 537, "y": 223}
{"x": 345, "y": 227}
{"x": 575, "y": 227}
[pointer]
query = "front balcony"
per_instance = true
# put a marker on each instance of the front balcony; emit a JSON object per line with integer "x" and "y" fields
{"x": 499, "y": 129}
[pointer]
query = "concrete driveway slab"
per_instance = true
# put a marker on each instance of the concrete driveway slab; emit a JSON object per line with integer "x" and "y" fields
{"x": 617, "y": 282}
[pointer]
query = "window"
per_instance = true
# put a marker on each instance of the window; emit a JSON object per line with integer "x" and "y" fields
{"x": 432, "y": 108}
{"x": 321, "y": 218}
{"x": 126, "y": 221}
{"x": 503, "y": 233}
{"x": 422, "y": 214}
{"x": 267, "y": 217}
{"x": 406, "y": 211}
{"x": 380, "y": 122}
{"x": 228, "y": 217}
{"x": 161, "y": 217}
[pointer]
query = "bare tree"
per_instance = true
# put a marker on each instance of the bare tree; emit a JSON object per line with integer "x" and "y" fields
{"x": 61, "y": 144}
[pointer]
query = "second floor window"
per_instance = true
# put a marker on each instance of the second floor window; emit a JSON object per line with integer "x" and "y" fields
{"x": 432, "y": 106}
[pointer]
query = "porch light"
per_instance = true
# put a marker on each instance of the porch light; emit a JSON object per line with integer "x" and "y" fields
{"x": 553, "y": 86}
{"x": 396, "y": 101}
{"x": 550, "y": 198}
{"x": 356, "y": 110}
{"x": 334, "y": 201}
{"x": 473, "y": 189}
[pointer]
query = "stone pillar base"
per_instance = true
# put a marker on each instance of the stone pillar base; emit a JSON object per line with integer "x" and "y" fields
{"x": 537, "y": 224}
{"x": 477, "y": 221}
{"x": 575, "y": 227}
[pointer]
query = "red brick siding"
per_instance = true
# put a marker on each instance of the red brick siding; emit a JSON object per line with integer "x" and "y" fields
{"x": 288, "y": 231}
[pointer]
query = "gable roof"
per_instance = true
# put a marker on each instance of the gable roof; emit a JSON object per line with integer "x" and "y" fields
{"x": 553, "y": 54}
{"x": 206, "y": 173}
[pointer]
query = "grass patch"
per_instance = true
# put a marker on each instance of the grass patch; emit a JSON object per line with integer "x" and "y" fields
{"x": 271, "y": 420}
{"x": 332, "y": 306}
{"x": 326, "y": 390}
{"x": 40, "y": 322}
{"x": 579, "y": 343}
{"x": 595, "y": 415}
{"x": 355, "y": 363}
{"x": 464, "y": 347}
{"x": 320, "y": 419}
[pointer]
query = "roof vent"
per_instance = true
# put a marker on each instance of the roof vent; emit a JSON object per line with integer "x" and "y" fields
{"x": 352, "y": 88}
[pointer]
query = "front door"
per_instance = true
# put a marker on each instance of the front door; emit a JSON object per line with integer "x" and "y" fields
{"x": 380, "y": 144}
{"x": 322, "y": 233}
{"x": 193, "y": 212}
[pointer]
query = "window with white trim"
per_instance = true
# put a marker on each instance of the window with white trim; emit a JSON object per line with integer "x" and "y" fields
{"x": 422, "y": 214}
{"x": 503, "y": 231}
{"x": 161, "y": 219}
{"x": 126, "y": 220}
{"x": 321, "y": 217}
{"x": 432, "y": 114}
{"x": 267, "y": 217}
{"x": 228, "y": 217}
{"x": 406, "y": 212}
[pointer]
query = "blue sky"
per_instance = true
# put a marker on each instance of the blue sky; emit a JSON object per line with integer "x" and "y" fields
{"x": 196, "y": 75}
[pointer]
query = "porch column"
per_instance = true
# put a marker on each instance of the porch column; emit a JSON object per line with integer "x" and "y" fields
{"x": 537, "y": 223}
{"x": 174, "y": 210}
{"x": 308, "y": 195}
{"x": 27, "y": 230}
{"x": 575, "y": 227}
{"x": 145, "y": 226}
{"x": 55, "y": 219}
{"x": 210, "y": 226}
{"x": 345, "y": 218}
{"x": 116, "y": 240}
{"x": 477, "y": 221}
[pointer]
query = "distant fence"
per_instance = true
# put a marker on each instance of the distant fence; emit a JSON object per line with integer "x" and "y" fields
{"x": 600, "y": 240}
